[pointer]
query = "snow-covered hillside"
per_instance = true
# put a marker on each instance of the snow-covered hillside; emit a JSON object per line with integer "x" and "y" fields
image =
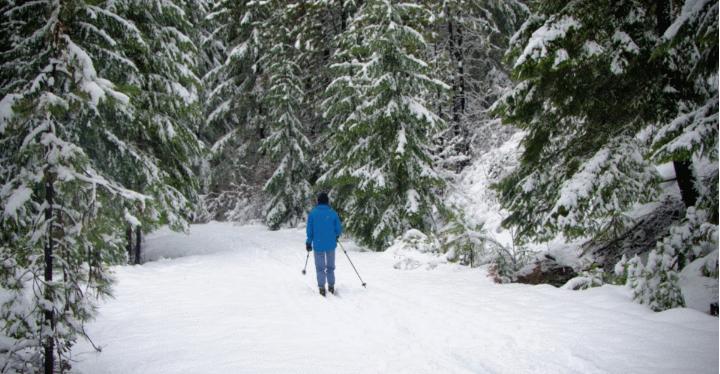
{"x": 232, "y": 299}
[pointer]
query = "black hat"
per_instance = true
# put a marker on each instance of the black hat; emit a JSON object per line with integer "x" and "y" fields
{"x": 323, "y": 198}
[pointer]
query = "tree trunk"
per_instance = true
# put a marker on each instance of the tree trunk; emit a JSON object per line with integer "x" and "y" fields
{"x": 458, "y": 86}
{"x": 683, "y": 173}
{"x": 684, "y": 177}
{"x": 461, "y": 69}
{"x": 137, "y": 245}
{"x": 49, "y": 244}
{"x": 455, "y": 81}
{"x": 662, "y": 14}
{"x": 128, "y": 234}
{"x": 343, "y": 17}
{"x": 464, "y": 145}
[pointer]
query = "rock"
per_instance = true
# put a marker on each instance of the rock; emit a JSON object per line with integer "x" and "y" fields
{"x": 546, "y": 271}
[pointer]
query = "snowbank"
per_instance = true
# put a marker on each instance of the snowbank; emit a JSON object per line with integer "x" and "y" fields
{"x": 202, "y": 239}
{"x": 414, "y": 250}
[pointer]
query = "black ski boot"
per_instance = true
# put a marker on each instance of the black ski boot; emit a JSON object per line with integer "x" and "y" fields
{"x": 322, "y": 291}
{"x": 331, "y": 289}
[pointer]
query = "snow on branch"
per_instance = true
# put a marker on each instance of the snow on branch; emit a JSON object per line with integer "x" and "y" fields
{"x": 220, "y": 144}
{"x": 607, "y": 183}
{"x": 132, "y": 220}
{"x": 88, "y": 81}
{"x": 689, "y": 13}
{"x": 92, "y": 177}
{"x": 6, "y": 110}
{"x": 536, "y": 47}
{"x": 16, "y": 199}
{"x": 689, "y": 132}
{"x": 94, "y": 11}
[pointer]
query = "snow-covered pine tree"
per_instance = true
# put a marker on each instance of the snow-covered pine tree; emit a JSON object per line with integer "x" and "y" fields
{"x": 472, "y": 36}
{"x": 57, "y": 235}
{"x": 690, "y": 50}
{"x": 587, "y": 85}
{"x": 286, "y": 143}
{"x": 234, "y": 118}
{"x": 211, "y": 55}
{"x": 196, "y": 14}
{"x": 316, "y": 26}
{"x": 655, "y": 283}
{"x": 379, "y": 161}
{"x": 605, "y": 86}
{"x": 156, "y": 156}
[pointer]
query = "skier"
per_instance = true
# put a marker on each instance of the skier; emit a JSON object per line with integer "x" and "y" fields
{"x": 323, "y": 230}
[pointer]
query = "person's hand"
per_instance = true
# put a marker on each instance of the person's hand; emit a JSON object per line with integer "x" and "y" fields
{"x": 337, "y": 239}
{"x": 308, "y": 246}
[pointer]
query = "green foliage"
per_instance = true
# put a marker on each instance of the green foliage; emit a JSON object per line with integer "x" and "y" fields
{"x": 378, "y": 162}
{"x": 78, "y": 152}
{"x": 286, "y": 143}
{"x": 235, "y": 119}
{"x": 507, "y": 261}
{"x": 620, "y": 272}
{"x": 590, "y": 278}
{"x": 689, "y": 47}
{"x": 656, "y": 282}
{"x": 586, "y": 72}
{"x": 711, "y": 269}
{"x": 465, "y": 243}
{"x": 159, "y": 146}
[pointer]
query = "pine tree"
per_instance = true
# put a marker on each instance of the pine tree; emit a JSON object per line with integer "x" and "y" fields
{"x": 57, "y": 238}
{"x": 470, "y": 38}
{"x": 605, "y": 89}
{"x": 690, "y": 50}
{"x": 588, "y": 88}
{"x": 162, "y": 146}
{"x": 656, "y": 283}
{"x": 235, "y": 117}
{"x": 315, "y": 28}
{"x": 286, "y": 142}
{"x": 379, "y": 163}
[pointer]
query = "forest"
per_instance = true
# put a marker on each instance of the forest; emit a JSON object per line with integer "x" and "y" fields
{"x": 121, "y": 117}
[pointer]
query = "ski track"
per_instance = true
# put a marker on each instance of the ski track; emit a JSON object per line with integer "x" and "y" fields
{"x": 243, "y": 306}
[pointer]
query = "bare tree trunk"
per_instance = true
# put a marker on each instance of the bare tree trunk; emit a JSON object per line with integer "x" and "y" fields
{"x": 49, "y": 244}
{"x": 455, "y": 80}
{"x": 129, "y": 247}
{"x": 458, "y": 87}
{"x": 684, "y": 177}
{"x": 461, "y": 69}
{"x": 137, "y": 245}
{"x": 460, "y": 63}
{"x": 662, "y": 15}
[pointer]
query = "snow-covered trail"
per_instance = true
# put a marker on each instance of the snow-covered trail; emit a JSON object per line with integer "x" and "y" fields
{"x": 243, "y": 306}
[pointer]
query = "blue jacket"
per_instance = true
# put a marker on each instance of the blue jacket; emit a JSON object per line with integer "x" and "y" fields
{"x": 323, "y": 226}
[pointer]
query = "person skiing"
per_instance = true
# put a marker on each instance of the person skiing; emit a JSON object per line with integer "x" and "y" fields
{"x": 323, "y": 230}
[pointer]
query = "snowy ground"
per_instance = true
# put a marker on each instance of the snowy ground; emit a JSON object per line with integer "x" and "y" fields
{"x": 241, "y": 305}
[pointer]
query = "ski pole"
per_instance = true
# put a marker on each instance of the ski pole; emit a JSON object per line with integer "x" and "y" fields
{"x": 306, "y": 260}
{"x": 353, "y": 265}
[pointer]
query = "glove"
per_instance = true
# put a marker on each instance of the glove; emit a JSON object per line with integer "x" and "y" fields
{"x": 308, "y": 246}
{"x": 337, "y": 239}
